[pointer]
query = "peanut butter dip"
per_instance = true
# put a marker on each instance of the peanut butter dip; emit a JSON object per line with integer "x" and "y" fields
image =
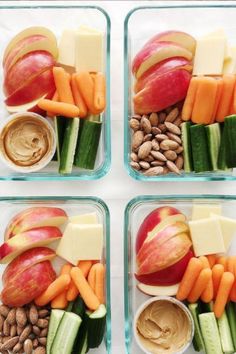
{"x": 26, "y": 141}
{"x": 163, "y": 327}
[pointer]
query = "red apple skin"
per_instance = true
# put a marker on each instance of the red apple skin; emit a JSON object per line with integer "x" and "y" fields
{"x": 31, "y": 218}
{"x": 25, "y": 69}
{"x": 28, "y": 285}
{"x": 168, "y": 276}
{"x": 162, "y": 92}
{"x": 161, "y": 68}
{"x": 34, "y": 89}
{"x": 152, "y": 220}
{"x": 25, "y": 261}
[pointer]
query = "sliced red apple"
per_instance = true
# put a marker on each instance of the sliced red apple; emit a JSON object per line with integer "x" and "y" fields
{"x": 154, "y": 53}
{"x": 152, "y": 290}
{"x": 28, "y": 32}
{"x": 35, "y": 217}
{"x": 25, "y": 69}
{"x": 38, "y": 237}
{"x": 25, "y": 261}
{"x": 162, "y": 92}
{"x": 28, "y": 285}
{"x": 168, "y": 276}
{"x": 161, "y": 68}
{"x": 182, "y": 38}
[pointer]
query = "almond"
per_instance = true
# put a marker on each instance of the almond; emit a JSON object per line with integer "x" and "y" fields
{"x": 162, "y": 117}
{"x": 162, "y": 127}
{"x": 6, "y": 328}
{"x": 44, "y": 332}
{"x": 135, "y": 165}
{"x": 134, "y": 157}
{"x": 154, "y": 171}
{"x": 10, "y": 343}
{"x": 2, "y": 319}
{"x": 153, "y": 119}
{"x": 19, "y": 330}
{"x": 149, "y": 158}
{"x": 172, "y": 115}
{"x": 33, "y": 314}
{"x": 17, "y": 348}
{"x": 172, "y": 167}
{"x": 155, "y": 145}
{"x": 43, "y": 341}
{"x": 11, "y": 317}
{"x": 13, "y": 331}
{"x": 155, "y": 131}
{"x": 170, "y": 155}
{"x": 169, "y": 145}
{"x": 35, "y": 343}
{"x": 21, "y": 318}
{"x": 161, "y": 137}
{"x": 145, "y": 165}
{"x": 172, "y": 128}
{"x": 25, "y": 334}
{"x": 134, "y": 124}
{"x": 179, "y": 162}
{"x": 137, "y": 139}
{"x": 179, "y": 150}
{"x": 157, "y": 163}
{"x": 40, "y": 350}
{"x": 4, "y": 310}
{"x": 174, "y": 137}
{"x": 178, "y": 121}
{"x": 36, "y": 330}
{"x": 158, "y": 156}
{"x": 137, "y": 116}
{"x": 147, "y": 137}
{"x": 28, "y": 346}
{"x": 42, "y": 323}
{"x": 144, "y": 150}
{"x": 146, "y": 125}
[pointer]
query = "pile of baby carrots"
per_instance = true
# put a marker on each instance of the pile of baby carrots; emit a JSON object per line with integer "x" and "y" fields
{"x": 76, "y": 95}
{"x": 210, "y": 99}
{"x": 86, "y": 280}
{"x": 209, "y": 278}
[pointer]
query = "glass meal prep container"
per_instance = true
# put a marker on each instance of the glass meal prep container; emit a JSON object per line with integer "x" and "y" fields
{"x": 136, "y": 210}
{"x": 143, "y": 23}
{"x": 73, "y": 206}
{"x": 58, "y": 16}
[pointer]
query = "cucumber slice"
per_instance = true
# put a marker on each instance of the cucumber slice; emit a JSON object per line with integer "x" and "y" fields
{"x": 66, "y": 334}
{"x": 200, "y": 150}
{"x": 230, "y": 136}
{"x": 69, "y": 145}
{"x": 210, "y": 333}
{"x": 69, "y": 306}
{"x": 185, "y": 136}
{"x": 213, "y": 138}
{"x": 87, "y": 145}
{"x": 81, "y": 343}
{"x": 198, "y": 342}
{"x": 60, "y": 126}
{"x": 79, "y": 307}
{"x": 222, "y": 165}
{"x": 225, "y": 334}
{"x": 231, "y": 314}
{"x": 96, "y": 322}
{"x": 55, "y": 319}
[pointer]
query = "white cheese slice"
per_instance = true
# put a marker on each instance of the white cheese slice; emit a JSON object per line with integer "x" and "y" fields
{"x": 90, "y": 218}
{"x": 89, "y": 50}
{"x": 230, "y": 64}
{"x": 81, "y": 242}
{"x": 67, "y": 48}
{"x": 206, "y": 236}
{"x": 228, "y": 229}
{"x": 202, "y": 211}
{"x": 209, "y": 56}
{"x": 220, "y": 32}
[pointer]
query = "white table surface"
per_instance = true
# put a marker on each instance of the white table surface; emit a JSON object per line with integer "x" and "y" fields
{"x": 116, "y": 188}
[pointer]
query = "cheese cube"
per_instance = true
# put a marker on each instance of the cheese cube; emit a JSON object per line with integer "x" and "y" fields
{"x": 209, "y": 56}
{"x": 202, "y": 211}
{"x": 228, "y": 229}
{"x": 67, "y": 48}
{"x": 81, "y": 242}
{"x": 230, "y": 64}
{"x": 90, "y": 218}
{"x": 206, "y": 236}
{"x": 89, "y": 48}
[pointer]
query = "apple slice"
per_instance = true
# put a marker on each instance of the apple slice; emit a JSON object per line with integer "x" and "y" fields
{"x": 35, "y": 217}
{"x": 32, "y": 238}
{"x": 26, "y": 260}
{"x": 28, "y": 285}
{"x": 182, "y": 38}
{"x": 154, "y": 53}
{"x": 162, "y": 92}
{"x": 152, "y": 290}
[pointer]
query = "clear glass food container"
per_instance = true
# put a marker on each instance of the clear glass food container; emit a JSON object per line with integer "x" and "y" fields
{"x": 56, "y": 16}
{"x": 140, "y": 25}
{"x": 10, "y": 206}
{"x": 136, "y": 210}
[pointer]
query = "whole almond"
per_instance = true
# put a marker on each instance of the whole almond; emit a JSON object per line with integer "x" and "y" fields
{"x": 145, "y": 165}
{"x": 17, "y": 348}
{"x": 153, "y": 119}
{"x": 162, "y": 127}
{"x": 19, "y": 330}
{"x": 42, "y": 341}
{"x": 25, "y": 334}
{"x": 172, "y": 167}
{"x": 4, "y": 310}
{"x": 137, "y": 139}
{"x": 158, "y": 156}
{"x": 147, "y": 137}
{"x": 155, "y": 145}
{"x": 35, "y": 343}
{"x": 135, "y": 165}
{"x": 149, "y": 158}
{"x": 179, "y": 162}
{"x": 161, "y": 137}
{"x": 28, "y": 346}
{"x": 33, "y": 314}
{"x": 178, "y": 121}
{"x": 154, "y": 171}
{"x": 134, "y": 157}
{"x": 21, "y": 318}
{"x": 172, "y": 128}
{"x": 174, "y": 137}
{"x": 146, "y": 125}
{"x": 169, "y": 145}
{"x": 6, "y": 328}
{"x": 2, "y": 319}
{"x": 157, "y": 163}
{"x": 172, "y": 115}
{"x": 36, "y": 330}
{"x": 162, "y": 117}
{"x": 179, "y": 150}
{"x": 144, "y": 150}
{"x": 42, "y": 323}
{"x": 40, "y": 350}
{"x": 5, "y": 339}
{"x": 10, "y": 343}
{"x": 134, "y": 124}
{"x": 13, "y": 331}
{"x": 44, "y": 332}
{"x": 137, "y": 116}
{"x": 155, "y": 131}
{"x": 11, "y": 317}
{"x": 170, "y": 155}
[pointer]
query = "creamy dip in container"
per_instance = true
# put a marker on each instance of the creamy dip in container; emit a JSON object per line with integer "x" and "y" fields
{"x": 27, "y": 142}
{"x": 163, "y": 325}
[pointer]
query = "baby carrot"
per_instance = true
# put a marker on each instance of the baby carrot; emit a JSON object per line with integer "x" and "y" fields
{"x": 217, "y": 272}
{"x": 55, "y": 98}
{"x": 211, "y": 259}
{"x": 230, "y": 265}
{"x": 191, "y": 274}
{"x": 233, "y": 290}
{"x": 72, "y": 291}
{"x": 226, "y": 97}
{"x": 59, "y": 108}
{"x": 189, "y": 100}
{"x": 200, "y": 285}
{"x": 54, "y": 289}
{"x": 99, "y": 281}
{"x": 226, "y": 284}
{"x": 79, "y": 101}
{"x": 85, "y": 290}
{"x": 204, "y": 261}
{"x": 85, "y": 267}
{"x": 85, "y": 83}
{"x": 99, "y": 92}
{"x": 222, "y": 260}
{"x": 217, "y": 98}
{"x": 92, "y": 277}
{"x": 60, "y": 301}
{"x": 62, "y": 83}
{"x": 208, "y": 292}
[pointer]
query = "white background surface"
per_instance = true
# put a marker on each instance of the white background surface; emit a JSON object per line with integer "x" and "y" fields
{"x": 116, "y": 188}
